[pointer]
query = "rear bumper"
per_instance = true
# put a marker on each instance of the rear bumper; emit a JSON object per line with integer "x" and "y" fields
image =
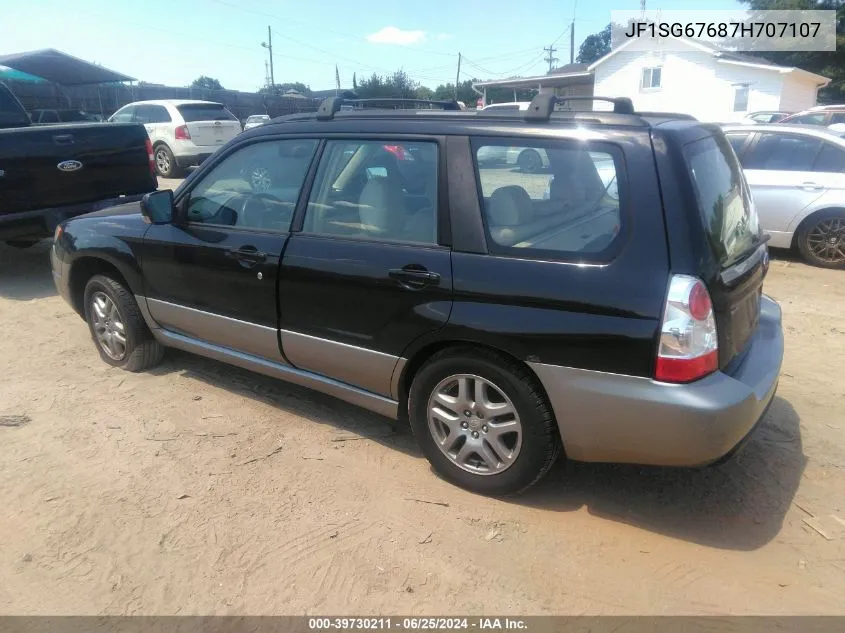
{"x": 192, "y": 160}
{"x": 41, "y": 223}
{"x": 614, "y": 418}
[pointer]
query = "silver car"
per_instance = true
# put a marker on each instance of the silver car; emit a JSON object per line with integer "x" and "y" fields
{"x": 797, "y": 180}
{"x": 255, "y": 120}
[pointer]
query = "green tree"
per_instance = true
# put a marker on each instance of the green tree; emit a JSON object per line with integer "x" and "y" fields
{"x": 424, "y": 92}
{"x": 827, "y": 63}
{"x": 594, "y": 46}
{"x": 282, "y": 88}
{"x": 209, "y": 83}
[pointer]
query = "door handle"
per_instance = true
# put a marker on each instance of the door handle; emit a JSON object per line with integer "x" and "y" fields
{"x": 247, "y": 255}
{"x": 811, "y": 186}
{"x": 414, "y": 277}
{"x": 63, "y": 139}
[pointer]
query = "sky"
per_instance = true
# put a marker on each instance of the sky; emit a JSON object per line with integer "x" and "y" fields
{"x": 173, "y": 42}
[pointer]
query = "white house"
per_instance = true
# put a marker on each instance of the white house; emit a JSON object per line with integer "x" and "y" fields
{"x": 700, "y": 79}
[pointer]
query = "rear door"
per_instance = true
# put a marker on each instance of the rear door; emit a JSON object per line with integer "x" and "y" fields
{"x": 370, "y": 270}
{"x": 209, "y": 124}
{"x": 779, "y": 169}
{"x": 59, "y": 165}
{"x": 732, "y": 229}
{"x": 213, "y": 274}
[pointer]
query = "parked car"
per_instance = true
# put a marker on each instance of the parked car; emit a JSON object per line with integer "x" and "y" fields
{"x": 506, "y": 327}
{"x": 255, "y": 120}
{"x": 819, "y": 115}
{"x": 764, "y": 117}
{"x": 183, "y": 133}
{"x": 50, "y": 173}
{"x": 797, "y": 179}
{"x": 50, "y": 117}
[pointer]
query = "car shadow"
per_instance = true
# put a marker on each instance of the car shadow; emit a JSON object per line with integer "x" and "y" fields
{"x": 25, "y": 273}
{"x": 351, "y": 421}
{"x": 737, "y": 505}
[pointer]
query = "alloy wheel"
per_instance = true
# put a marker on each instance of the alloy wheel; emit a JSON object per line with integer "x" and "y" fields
{"x": 475, "y": 424}
{"x": 826, "y": 240}
{"x": 108, "y": 326}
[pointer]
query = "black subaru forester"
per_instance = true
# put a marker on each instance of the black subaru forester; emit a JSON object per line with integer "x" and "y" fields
{"x": 517, "y": 284}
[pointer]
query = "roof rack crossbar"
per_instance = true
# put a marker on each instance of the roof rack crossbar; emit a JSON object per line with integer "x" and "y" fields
{"x": 543, "y": 105}
{"x": 332, "y": 105}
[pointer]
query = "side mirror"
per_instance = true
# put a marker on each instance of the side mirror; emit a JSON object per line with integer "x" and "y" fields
{"x": 157, "y": 207}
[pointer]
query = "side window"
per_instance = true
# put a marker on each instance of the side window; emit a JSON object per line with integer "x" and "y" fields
{"x": 567, "y": 205}
{"x": 372, "y": 190}
{"x": 159, "y": 114}
{"x": 737, "y": 141}
{"x": 143, "y": 114}
{"x": 831, "y": 159}
{"x": 255, "y": 188}
{"x": 651, "y": 78}
{"x": 49, "y": 116}
{"x": 124, "y": 115}
{"x": 783, "y": 152}
{"x": 836, "y": 117}
{"x": 740, "y": 97}
{"x": 816, "y": 118}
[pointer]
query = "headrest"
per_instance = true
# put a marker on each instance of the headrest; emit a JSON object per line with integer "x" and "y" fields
{"x": 510, "y": 206}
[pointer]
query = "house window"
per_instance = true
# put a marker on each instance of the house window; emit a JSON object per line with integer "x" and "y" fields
{"x": 741, "y": 98}
{"x": 651, "y": 77}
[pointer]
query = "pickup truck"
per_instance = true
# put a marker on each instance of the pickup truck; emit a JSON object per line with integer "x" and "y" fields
{"x": 51, "y": 173}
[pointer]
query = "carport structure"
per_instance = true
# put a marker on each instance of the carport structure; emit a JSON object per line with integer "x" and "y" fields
{"x": 62, "y": 71}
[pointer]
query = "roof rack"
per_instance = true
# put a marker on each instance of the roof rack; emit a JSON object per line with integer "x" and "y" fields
{"x": 331, "y": 106}
{"x": 543, "y": 105}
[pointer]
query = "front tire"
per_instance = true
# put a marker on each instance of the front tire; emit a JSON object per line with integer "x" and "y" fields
{"x": 482, "y": 421}
{"x": 117, "y": 327}
{"x": 821, "y": 240}
{"x": 165, "y": 162}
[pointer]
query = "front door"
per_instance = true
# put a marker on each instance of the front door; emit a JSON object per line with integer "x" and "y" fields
{"x": 368, "y": 272}
{"x": 213, "y": 275}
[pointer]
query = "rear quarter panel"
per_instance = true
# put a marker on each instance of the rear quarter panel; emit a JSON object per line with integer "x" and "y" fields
{"x": 599, "y": 316}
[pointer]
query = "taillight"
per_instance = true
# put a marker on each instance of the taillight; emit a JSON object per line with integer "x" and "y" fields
{"x": 150, "y": 157}
{"x": 182, "y": 133}
{"x": 689, "y": 345}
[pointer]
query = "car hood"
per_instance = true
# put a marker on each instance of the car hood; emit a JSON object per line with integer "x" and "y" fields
{"x": 130, "y": 208}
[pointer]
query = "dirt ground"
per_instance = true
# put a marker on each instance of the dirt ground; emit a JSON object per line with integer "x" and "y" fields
{"x": 199, "y": 488}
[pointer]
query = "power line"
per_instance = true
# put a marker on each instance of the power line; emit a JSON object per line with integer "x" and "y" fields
{"x": 550, "y": 58}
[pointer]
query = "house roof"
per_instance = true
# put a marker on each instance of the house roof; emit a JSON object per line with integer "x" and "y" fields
{"x": 61, "y": 68}
{"x": 549, "y": 80}
{"x": 725, "y": 56}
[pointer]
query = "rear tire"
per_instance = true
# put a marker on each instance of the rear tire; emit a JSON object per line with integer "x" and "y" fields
{"x": 821, "y": 239}
{"x": 520, "y": 454}
{"x": 529, "y": 161}
{"x": 165, "y": 162}
{"x": 117, "y": 327}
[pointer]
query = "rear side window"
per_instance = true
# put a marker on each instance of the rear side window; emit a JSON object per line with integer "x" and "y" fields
{"x": 783, "y": 152}
{"x": 555, "y": 199}
{"x": 737, "y": 141}
{"x": 124, "y": 115}
{"x": 723, "y": 198}
{"x": 10, "y": 111}
{"x": 71, "y": 116}
{"x": 816, "y": 118}
{"x": 831, "y": 159}
{"x": 205, "y": 112}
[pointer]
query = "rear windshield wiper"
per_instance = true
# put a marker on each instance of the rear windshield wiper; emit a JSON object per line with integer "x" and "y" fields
{"x": 744, "y": 262}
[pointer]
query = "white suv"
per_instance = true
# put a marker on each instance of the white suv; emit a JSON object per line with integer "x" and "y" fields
{"x": 183, "y": 133}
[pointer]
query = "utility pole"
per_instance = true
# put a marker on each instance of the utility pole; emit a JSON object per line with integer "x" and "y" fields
{"x": 551, "y": 50}
{"x": 572, "y": 43}
{"x": 269, "y": 46}
{"x": 458, "y": 77}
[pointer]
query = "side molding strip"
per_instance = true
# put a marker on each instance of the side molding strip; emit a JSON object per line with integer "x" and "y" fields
{"x": 353, "y": 395}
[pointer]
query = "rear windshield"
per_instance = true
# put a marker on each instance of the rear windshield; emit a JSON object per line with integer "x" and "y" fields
{"x": 205, "y": 112}
{"x": 723, "y": 198}
{"x": 10, "y": 111}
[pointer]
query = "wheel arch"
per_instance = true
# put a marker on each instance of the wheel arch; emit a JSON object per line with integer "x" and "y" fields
{"x": 807, "y": 219}
{"x": 81, "y": 271}
{"x": 423, "y": 353}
